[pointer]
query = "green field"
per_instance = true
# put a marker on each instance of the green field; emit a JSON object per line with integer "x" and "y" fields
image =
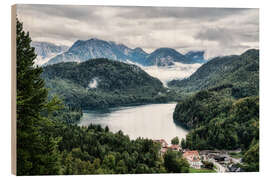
{"x": 192, "y": 170}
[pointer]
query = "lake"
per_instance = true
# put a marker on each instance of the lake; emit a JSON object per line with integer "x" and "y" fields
{"x": 154, "y": 121}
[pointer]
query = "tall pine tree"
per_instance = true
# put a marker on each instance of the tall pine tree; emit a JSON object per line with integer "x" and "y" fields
{"x": 36, "y": 150}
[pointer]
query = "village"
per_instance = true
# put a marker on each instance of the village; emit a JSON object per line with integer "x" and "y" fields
{"x": 217, "y": 160}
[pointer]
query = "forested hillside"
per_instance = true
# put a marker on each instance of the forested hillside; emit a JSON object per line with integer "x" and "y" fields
{"x": 219, "y": 123}
{"x": 241, "y": 72}
{"x": 222, "y": 124}
{"x": 224, "y": 111}
{"x": 103, "y": 83}
{"x": 110, "y": 75}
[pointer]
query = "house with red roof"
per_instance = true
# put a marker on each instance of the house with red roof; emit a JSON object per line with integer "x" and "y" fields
{"x": 193, "y": 159}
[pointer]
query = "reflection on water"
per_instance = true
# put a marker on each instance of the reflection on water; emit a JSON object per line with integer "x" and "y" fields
{"x": 153, "y": 121}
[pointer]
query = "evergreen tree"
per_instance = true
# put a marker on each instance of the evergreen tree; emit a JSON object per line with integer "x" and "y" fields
{"x": 183, "y": 143}
{"x": 251, "y": 158}
{"x": 36, "y": 152}
{"x": 174, "y": 163}
{"x": 175, "y": 140}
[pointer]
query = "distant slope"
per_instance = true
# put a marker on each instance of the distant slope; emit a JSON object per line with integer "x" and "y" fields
{"x": 166, "y": 57}
{"x": 102, "y": 83}
{"x": 94, "y": 48}
{"x": 46, "y": 50}
{"x": 242, "y": 72}
{"x": 196, "y": 56}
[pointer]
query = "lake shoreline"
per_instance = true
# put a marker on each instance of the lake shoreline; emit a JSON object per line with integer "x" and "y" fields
{"x": 124, "y": 105}
{"x": 152, "y": 121}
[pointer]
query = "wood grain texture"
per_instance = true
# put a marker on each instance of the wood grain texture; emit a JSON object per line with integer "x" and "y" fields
{"x": 13, "y": 90}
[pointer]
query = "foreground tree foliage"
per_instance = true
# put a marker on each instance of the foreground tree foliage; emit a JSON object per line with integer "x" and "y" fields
{"x": 174, "y": 163}
{"x": 37, "y": 151}
{"x": 96, "y": 150}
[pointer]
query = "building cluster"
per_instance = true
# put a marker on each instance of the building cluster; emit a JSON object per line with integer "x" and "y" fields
{"x": 192, "y": 157}
{"x": 221, "y": 160}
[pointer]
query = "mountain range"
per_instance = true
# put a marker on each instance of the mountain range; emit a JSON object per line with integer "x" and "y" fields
{"x": 83, "y": 50}
{"x": 45, "y": 51}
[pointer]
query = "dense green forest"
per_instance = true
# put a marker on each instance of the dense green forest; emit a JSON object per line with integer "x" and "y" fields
{"x": 101, "y": 83}
{"x": 94, "y": 150}
{"x": 222, "y": 124}
{"x": 225, "y": 125}
{"x": 222, "y": 107}
{"x": 48, "y": 143}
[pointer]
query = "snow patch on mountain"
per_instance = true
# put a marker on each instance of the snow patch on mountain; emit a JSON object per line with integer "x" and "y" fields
{"x": 96, "y": 48}
{"x": 45, "y": 51}
{"x": 39, "y": 61}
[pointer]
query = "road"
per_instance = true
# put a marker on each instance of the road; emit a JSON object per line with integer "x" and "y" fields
{"x": 220, "y": 168}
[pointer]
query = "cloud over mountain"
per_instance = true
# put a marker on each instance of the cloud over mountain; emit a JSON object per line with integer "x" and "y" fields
{"x": 183, "y": 29}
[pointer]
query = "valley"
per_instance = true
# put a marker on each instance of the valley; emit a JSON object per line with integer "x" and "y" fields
{"x": 135, "y": 90}
{"x": 208, "y": 100}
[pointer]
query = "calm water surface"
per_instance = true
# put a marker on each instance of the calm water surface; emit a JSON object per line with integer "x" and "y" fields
{"x": 154, "y": 121}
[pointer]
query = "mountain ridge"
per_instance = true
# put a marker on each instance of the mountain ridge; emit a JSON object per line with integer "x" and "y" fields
{"x": 83, "y": 50}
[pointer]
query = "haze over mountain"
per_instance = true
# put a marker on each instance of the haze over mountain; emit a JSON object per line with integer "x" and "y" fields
{"x": 45, "y": 51}
{"x": 168, "y": 73}
{"x": 94, "y": 48}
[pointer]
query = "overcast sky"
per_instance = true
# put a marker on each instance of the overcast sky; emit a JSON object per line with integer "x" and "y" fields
{"x": 219, "y": 31}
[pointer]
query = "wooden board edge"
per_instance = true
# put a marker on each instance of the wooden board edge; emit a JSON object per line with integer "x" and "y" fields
{"x": 13, "y": 92}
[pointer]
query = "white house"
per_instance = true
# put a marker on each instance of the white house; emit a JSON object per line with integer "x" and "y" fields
{"x": 193, "y": 159}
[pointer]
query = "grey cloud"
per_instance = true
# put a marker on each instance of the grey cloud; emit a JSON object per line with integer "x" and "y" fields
{"x": 145, "y": 27}
{"x": 182, "y": 12}
{"x": 67, "y": 11}
{"x": 220, "y": 35}
{"x": 226, "y": 36}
